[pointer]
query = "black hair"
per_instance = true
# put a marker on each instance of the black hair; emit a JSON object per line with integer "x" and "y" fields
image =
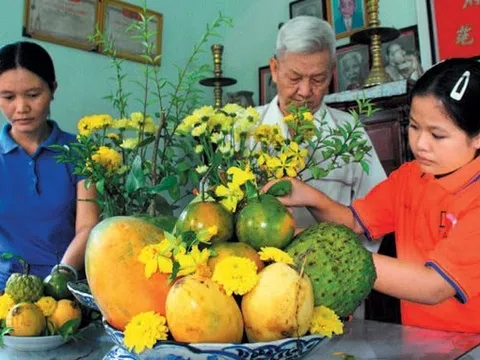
{"x": 30, "y": 56}
{"x": 442, "y": 78}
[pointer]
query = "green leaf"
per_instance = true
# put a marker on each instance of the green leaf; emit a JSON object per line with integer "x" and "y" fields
{"x": 69, "y": 329}
{"x": 281, "y": 188}
{"x": 136, "y": 177}
{"x": 175, "y": 270}
{"x": 365, "y": 166}
{"x": 100, "y": 185}
{"x": 251, "y": 190}
{"x": 166, "y": 184}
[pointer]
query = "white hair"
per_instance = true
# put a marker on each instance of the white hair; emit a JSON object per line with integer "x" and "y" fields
{"x": 306, "y": 34}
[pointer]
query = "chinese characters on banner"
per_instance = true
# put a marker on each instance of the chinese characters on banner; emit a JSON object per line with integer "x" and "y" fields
{"x": 457, "y": 28}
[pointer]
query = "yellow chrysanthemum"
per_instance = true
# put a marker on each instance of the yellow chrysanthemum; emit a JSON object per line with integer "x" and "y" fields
{"x": 204, "y": 113}
{"x": 87, "y": 124}
{"x": 237, "y": 275}
{"x": 269, "y": 253}
{"x": 144, "y": 330}
{"x": 6, "y": 303}
{"x": 109, "y": 158}
{"x": 47, "y": 304}
{"x": 263, "y": 133}
{"x": 325, "y": 322}
{"x": 157, "y": 257}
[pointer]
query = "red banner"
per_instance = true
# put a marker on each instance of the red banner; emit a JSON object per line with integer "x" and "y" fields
{"x": 457, "y": 28}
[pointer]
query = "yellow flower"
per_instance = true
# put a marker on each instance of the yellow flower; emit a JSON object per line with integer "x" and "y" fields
{"x": 205, "y": 235}
{"x": 198, "y": 149}
{"x": 140, "y": 123}
{"x": 325, "y": 322}
{"x": 269, "y": 253}
{"x": 87, "y": 124}
{"x": 157, "y": 257}
{"x": 216, "y": 137}
{"x": 108, "y": 158}
{"x": 144, "y": 330}
{"x": 193, "y": 261}
{"x": 236, "y": 274}
{"x": 230, "y": 194}
{"x": 233, "y": 109}
{"x": 47, "y": 304}
{"x": 281, "y": 165}
{"x": 199, "y": 130}
{"x": 113, "y": 136}
{"x": 129, "y": 144}
{"x": 204, "y": 113}
{"x": 122, "y": 124}
{"x": 263, "y": 133}
{"x": 201, "y": 169}
{"x": 307, "y": 116}
{"x": 239, "y": 176}
{"x": 6, "y": 303}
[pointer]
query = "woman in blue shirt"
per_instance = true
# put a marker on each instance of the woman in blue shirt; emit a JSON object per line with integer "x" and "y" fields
{"x": 40, "y": 216}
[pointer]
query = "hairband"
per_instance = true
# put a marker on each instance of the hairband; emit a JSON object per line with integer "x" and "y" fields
{"x": 461, "y": 86}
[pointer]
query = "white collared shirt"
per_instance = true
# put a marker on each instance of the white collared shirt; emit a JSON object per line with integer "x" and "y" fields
{"x": 342, "y": 185}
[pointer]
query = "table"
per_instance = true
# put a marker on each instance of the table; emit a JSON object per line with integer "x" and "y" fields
{"x": 363, "y": 339}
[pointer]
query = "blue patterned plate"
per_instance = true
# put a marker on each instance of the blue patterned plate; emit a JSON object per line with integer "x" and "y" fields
{"x": 286, "y": 349}
{"x": 81, "y": 291}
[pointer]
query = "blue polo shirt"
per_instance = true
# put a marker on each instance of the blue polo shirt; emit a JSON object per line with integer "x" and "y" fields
{"x": 37, "y": 203}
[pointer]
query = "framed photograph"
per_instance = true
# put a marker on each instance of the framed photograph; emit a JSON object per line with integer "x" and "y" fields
{"x": 267, "y": 88}
{"x": 353, "y": 65}
{"x": 117, "y": 16}
{"x": 61, "y": 22}
{"x": 454, "y": 28}
{"x": 315, "y": 8}
{"x": 401, "y": 57}
{"x": 346, "y": 16}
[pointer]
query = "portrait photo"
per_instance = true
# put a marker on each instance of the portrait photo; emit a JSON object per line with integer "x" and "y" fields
{"x": 401, "y": 56}
{"x": 267, "y": 88}
{"x": 346, "y": 16}
{"x": 352, "y": 67}
{"x": 315, "y": 8}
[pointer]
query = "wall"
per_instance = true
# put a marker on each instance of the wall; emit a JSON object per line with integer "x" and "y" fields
{"x": 83, "y": 76}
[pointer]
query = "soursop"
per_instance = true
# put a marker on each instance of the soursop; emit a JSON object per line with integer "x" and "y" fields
{"x": 340, "y": 268}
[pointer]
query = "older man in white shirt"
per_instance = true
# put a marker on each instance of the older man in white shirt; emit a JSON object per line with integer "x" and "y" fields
{"x": 302, "y": 68}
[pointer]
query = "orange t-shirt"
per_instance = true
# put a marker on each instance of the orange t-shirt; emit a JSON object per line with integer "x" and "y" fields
{"x": 436, "y": 223}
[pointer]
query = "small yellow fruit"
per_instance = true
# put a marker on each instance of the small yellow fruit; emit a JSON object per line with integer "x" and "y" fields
{"x": 66, "y": 310}
{"x": 26, "y": 319}
{"x": 272, "y": 312}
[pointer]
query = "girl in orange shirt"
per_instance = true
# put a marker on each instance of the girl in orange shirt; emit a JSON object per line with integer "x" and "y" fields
{"x": 432, "y": 204}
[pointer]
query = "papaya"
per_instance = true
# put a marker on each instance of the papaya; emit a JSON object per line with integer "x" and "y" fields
{"x": 115, "y": 275}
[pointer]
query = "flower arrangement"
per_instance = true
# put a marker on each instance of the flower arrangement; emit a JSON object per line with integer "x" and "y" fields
{"x": 237, "y": 155}
{"x": 133, "y": 158}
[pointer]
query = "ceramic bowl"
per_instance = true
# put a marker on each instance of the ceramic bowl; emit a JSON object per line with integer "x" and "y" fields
{"x": 81, "y": 291}
{"x": 285, "y": 349}
{"x": 35, "y": 343}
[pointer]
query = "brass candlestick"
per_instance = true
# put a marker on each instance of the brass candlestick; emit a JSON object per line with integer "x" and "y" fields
{"x": 218, "y": 81}
{"x": 375, "y": 35}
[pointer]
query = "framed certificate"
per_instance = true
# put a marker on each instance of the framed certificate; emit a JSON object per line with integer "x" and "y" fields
{"x": 117, "y": 16}
{"x": 64, "y": 22}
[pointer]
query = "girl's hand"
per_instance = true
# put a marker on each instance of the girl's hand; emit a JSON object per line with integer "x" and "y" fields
{"x": 301, "y": 195}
